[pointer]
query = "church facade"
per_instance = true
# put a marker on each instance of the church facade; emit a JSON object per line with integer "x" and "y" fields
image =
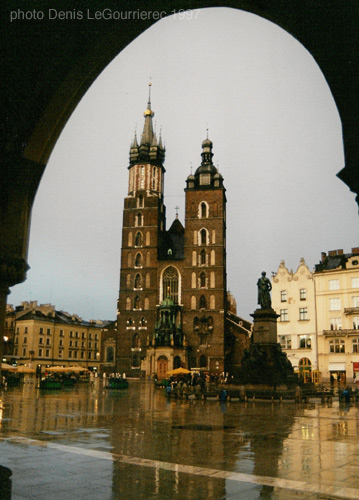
{"x": 174, "y": 309}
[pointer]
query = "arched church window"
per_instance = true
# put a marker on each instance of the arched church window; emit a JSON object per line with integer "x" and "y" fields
{"x": 203, "y": 210}
{"x": 202, "y": 280}
{"x": 110, "y": 355}
{"x": 138, "y": 240}
{"x": 203, "y": 257}
{"x": 138, "y": 260}
{"x": 147, "y": 303}
{"x": 213, "y": 257}
{"x": 203, "y": 237}
{"x": 212, "y": 302}
{"x": 138, "y": 281}
{"x": 128, "y": 281}
{"x": 193, "y": 302}
{"x": 170, "y": 283}
{"x": 148, "y": 239}
{"x": 140, "y": 201}
{"x": 148, "y": 280}
{"x": 130, "y": 322}
{"x": 143, "y": 322}
{"x": 194, "y": 258}
{"x": 128, "y": 303}
{"x": 136, "y": 362}
{"x": 129, "y": 260}
{"x": 136, "y": 302}
{"x": 212, "y": 280}
{"x": 196, "y": 323}
{"x": 139, "y": 220}
{"x": 202, "y": 302}
{"x": 193, "y": 282}
{"x": 142, "y": 177}
{"x": 136, "y": 342}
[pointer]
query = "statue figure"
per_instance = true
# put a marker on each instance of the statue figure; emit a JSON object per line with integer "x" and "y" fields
{"x": 264, "y": 287}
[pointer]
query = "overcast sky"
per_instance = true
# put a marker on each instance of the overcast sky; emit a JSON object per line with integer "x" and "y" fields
{"x": 277, "y": 142}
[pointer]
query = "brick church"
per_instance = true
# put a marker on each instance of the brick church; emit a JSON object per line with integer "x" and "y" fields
{"x": 174, "y": 309}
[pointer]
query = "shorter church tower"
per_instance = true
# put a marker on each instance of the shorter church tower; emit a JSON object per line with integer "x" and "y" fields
{"x": 205, "y": 264}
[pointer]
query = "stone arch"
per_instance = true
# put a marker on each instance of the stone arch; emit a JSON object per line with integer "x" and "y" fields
{"x": 43, "y": 119}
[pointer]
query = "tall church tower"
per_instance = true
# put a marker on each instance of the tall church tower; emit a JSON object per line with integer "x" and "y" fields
{"x": 143, "y": 223}
{"x": 205, "y": 296}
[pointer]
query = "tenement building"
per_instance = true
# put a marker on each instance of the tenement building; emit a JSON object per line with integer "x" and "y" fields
{"x": 173, "y": 308}
{"x": 318, "y": 325}
{"x": 42, "y": 336}
{"x": 336, "y": 280}
{"x": 293, "y": 298}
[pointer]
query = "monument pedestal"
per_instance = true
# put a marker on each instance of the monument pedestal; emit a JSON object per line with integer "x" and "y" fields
{"x": 264, "y": 326}
{"x": 264, "y": 362}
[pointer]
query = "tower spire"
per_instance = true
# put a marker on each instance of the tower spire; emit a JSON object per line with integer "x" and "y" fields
{"x": 148, "y": 149}
{"x": 147, "y": 134}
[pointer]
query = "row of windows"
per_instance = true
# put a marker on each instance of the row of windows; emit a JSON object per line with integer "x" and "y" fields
{"x": 138, "y": 260}
{"x": 338, "y": 345}
{"x": 131, "y": 323}
{"x": 203, "y": 207}
{"x": 138, "y": 178}
{"x": 61, "y": 334}
{"x": 336, "y": 323}
{"x": 204, "y": 258}
{"x": 139, "y": 240}
{"x": 302, "y": 295}
{"x": 304, "y": 341}
{"x": 138, "y": 304}
{"x": 202, "y": 237}
{"x": 303, "y": 314}
{"x": 335, "y": 303}
{"x": 335, "y": 285}
{"x": 202, "y": 281}
{"x": 47, "y": 353}
{"x": 72, "y": 343}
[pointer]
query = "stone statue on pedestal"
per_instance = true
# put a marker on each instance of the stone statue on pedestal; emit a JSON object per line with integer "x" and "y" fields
{"x": 264, "y": 287}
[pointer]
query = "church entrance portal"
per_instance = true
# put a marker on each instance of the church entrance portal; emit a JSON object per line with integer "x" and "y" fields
{"x": 162, "y": 367}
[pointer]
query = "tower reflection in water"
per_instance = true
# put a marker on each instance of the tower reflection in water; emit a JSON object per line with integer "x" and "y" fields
{"x": 259, "y": 439}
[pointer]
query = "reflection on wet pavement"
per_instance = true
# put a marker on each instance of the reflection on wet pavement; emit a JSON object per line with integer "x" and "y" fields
{"x": 91, "y": 443}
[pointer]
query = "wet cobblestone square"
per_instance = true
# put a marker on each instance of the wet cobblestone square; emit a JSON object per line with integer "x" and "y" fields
{"x": 89, "y": 442}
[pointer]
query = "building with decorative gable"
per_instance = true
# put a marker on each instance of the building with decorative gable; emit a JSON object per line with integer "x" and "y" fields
{"x": 293, "y": 298}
